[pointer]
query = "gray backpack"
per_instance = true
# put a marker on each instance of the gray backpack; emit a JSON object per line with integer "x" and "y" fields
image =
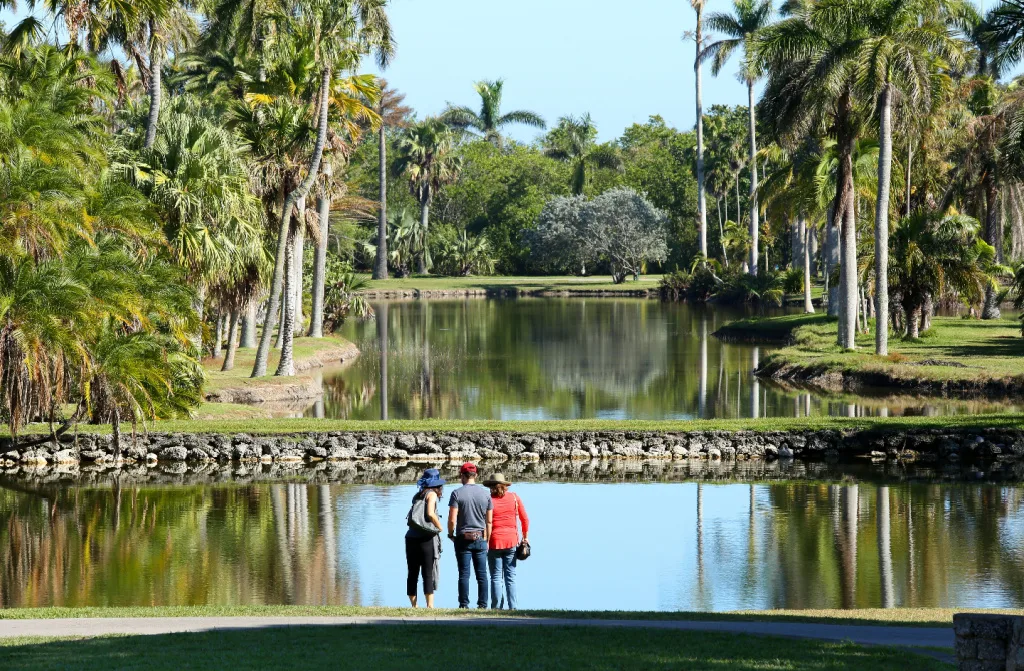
{"x": 417, "y": 517}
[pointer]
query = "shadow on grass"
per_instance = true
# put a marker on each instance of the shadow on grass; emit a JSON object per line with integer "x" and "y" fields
{"x": 432, "y": 646}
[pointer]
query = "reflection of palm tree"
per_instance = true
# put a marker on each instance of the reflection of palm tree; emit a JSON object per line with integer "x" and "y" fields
{"x": 884, "y": 546}
{"x": 755, "y": 393}
{"x": 700, "y": 544}
{"x": 702, "y": 391}
{"x": 848, "y": 545}
{"x": 382, "y": 339}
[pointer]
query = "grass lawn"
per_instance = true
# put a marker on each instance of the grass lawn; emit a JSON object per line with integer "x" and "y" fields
{"x": 912, "y": 617}
{"x": 954, "y": 353}
{"x": 303, "y": 350}
{"x": 305, "y": 424}
{"x": 439, "y": 646}
{"x": 569, "y": 283}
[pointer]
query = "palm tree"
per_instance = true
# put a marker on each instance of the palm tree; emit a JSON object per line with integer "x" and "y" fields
{"x": 393, "y": 114}
{"x": 339, "y": 34}
{"x": 427, "y": 158}
{"x": 489, "y": 120}
{"x": 741, "y": 29}
{"x": 573, "y": 141}
{"x": 811, "y": 57}
{"x": 901, "y": 57}
{"x": 702, "y": 207}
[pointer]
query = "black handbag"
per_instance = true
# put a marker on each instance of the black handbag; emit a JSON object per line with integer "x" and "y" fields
{"x": 523, "y": 551}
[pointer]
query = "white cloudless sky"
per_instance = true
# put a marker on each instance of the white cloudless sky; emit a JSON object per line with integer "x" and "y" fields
{"x": 620, "y": 61}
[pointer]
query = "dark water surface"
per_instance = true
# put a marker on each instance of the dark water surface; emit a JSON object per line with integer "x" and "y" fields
{"x": 551, "y": 358}
{"x": 661, "y": 546}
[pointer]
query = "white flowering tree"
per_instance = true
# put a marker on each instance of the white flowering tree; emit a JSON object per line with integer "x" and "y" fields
{"x": 626, "y": 230}
{"x": 620, "y": 227}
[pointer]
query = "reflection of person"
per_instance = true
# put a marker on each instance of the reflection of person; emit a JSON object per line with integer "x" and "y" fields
{"x": 470, "y": 516}
{"x": 501, "y": 548}
{"x": 423, "y": 548}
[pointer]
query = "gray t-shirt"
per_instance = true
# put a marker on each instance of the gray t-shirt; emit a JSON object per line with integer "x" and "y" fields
{"x": 473, "y": 502}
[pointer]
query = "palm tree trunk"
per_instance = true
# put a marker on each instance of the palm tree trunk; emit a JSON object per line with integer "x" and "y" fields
{"x": 702, "y": 218}
{"x": 991, "y": 307}
{"x": 914, "y": 323}
{"x": 316, "y": 317}
{"x": 277, "y": 280}
{"x": 248, "y": 338}
{"x": 155, "y": 67}
{"x": 721, "y": 229}
{"x": 848, "y": 246}
{"x": 229, "y": 358}
{"x": 882, "y": 224}
{"x": 218, "y": 334}
{"x": 910, "y": 156}
{"x": 812, "y": 242}
{"x": 421, "y": 260}
{"x": 380, "y": 265}
{"x": 808, "y": 304}
{"x": 285, "y": 365}
{"x": 739, "y": 213}
{"x": 754, "y": 228}
{"x": 299, "y": 242}
{"x": 831, "y": 259}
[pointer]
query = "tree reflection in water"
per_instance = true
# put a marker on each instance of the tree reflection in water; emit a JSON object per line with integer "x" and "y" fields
{"x": 534, "y": 358}
{"x": 777, "y": 545}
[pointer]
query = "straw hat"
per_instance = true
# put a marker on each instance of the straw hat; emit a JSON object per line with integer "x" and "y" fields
{"x": 497, "y": 479}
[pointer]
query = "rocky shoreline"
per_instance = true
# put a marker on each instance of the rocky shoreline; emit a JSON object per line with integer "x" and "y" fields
{"x": 947, "y": 446}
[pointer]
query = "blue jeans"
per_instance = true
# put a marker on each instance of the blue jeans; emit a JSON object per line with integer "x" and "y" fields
{"x": 475, "y": 553}
{"x": 502, "y": 563}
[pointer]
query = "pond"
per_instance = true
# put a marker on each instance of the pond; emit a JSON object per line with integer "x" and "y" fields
{"x": 552, "y": 358}
{"x": 650, "y": 546}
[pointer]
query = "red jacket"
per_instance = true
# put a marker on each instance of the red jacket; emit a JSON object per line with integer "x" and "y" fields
{"x": 504, "y": 534}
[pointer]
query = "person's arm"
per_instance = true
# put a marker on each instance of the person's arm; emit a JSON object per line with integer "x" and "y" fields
{"x": 432, "y": 510}
{"x": 523, "y": 518}
{"x": 490, "y": 524}
{"x": 453, "y": 514}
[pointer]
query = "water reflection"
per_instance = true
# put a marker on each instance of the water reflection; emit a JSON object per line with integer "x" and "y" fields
{"x": 572, "y": 358}
{"x": 776, "y": 545}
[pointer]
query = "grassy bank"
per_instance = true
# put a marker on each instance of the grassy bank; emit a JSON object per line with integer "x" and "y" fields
{"x": 914, "y": 617}
{"x": 954, "y": 356}
{"x": 518, "y": 284}
{"x": 404, "y": 647}
{"x": 300, "y": 425}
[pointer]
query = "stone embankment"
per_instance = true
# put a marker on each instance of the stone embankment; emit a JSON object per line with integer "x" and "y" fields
{"x": 929, "y": 446}
{"x": 989, "y": 642}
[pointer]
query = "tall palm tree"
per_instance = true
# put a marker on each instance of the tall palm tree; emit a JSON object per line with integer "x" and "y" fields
{"x": 489, "y": 120}
{"x": 901, "y": 57}
{"x": 393, "y": 114}
{"x": 339, "y": 34}
{"x": 573, "y": 141}
{"x": 427, "y": 157}
{"x": 702, "y": 208}
{"x": 811, "y": 57}
{"x": 741, "y": 29}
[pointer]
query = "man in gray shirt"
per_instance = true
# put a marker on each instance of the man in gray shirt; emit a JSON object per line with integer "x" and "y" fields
{"x": 470, "y": 517}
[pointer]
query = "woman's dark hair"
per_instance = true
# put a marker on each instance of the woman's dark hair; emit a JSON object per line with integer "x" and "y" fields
{"x": 499, "y": 489}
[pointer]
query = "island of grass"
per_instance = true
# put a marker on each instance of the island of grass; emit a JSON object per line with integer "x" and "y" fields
{"x": 955, "y": 356}
{"x": 228, "y": 392}
{"x": 567, "y": 285}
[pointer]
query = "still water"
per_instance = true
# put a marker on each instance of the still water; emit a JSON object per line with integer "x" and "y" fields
{"x": 658, "y": 546}
{"x": 571, "y": 358}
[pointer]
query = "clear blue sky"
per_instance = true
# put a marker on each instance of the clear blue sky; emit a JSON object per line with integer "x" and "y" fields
{"x": 622, "y": 62}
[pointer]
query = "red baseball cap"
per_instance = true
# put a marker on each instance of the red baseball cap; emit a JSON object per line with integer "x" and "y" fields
{"x": 468, "y": 467}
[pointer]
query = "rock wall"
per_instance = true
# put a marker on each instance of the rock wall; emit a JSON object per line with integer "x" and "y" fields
{"x": 989, "y": 642}
{"x": 937, "y": 446}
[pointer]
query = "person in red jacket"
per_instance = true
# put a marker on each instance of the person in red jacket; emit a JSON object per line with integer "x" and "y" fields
{"x": 501, "y": 549}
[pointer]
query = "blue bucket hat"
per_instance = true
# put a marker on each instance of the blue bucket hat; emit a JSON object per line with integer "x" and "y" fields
{"x": 431, "y": 478}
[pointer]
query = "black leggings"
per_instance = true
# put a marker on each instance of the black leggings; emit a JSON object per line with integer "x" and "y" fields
{"x": 419, "y": 555}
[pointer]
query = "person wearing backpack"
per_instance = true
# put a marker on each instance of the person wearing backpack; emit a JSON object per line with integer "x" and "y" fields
{"x": 504, "y": 544}
{"x": 423, "y": 539}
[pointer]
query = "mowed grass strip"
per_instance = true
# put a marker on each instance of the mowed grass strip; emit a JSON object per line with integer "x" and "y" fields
{"x": 914, "y": 617}
{"x": 439, "y": 646}
{"x": 306, "y": 424}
